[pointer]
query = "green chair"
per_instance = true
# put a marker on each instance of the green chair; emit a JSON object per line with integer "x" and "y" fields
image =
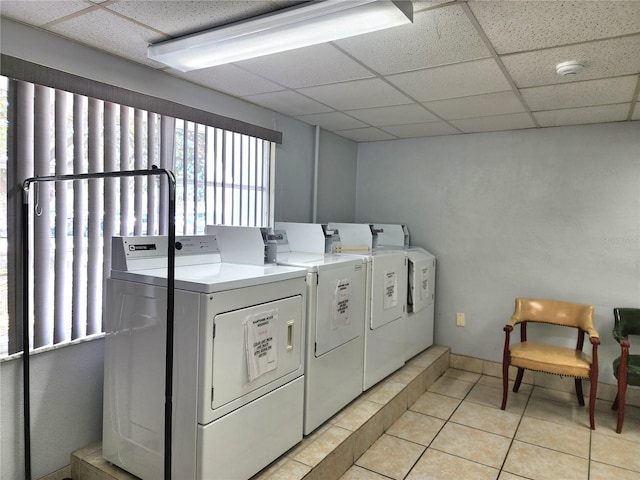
{"x": 626, "y": 367}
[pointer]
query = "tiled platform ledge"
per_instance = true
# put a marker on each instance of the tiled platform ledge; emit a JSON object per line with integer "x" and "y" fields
{"x": 330, "y": 451}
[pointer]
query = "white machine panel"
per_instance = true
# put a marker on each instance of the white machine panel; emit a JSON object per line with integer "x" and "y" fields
{"x": 388, "y": 288}
{"x": 387, "y": 280}
{"x": 265, "y": 339}
{"x": 421, "y": 289}
{"x": 261, "y": 431}
{"x": 133, "y": 416}
{"x": 336, "y": 309}
{"x": 340, "y": 305}
{"x": 303, "y": 237}
{"x": 392, "y": 235}
{"x": 420, "y": 318}
{"x": 422, "y": 273}
{"x": 245, "y": 245}
{"x": 355, "y": 237}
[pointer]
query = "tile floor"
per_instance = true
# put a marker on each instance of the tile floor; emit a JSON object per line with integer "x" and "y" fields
{"x": 456, "y": 430}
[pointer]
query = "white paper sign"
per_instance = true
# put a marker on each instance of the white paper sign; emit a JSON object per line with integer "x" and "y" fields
{"x": 424, "y": 291}
{"x": 261, "y": 343}
{"x": 341, "y": 297}
{"x": 390, "y": 290}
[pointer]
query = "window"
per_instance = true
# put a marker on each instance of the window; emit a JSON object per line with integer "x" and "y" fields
{"x": 222, "y": 177}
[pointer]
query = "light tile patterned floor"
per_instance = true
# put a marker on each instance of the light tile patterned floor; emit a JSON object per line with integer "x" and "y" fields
{"x": 456, "y": 430}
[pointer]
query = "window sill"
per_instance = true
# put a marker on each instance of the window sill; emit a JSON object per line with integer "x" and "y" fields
{"x": 58, "y": 346}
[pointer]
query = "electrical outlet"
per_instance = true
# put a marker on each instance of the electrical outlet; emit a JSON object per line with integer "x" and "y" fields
{"x": 460, "y": 319}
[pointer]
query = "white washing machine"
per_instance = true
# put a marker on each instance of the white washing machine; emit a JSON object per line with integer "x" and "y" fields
{"x": 385, "y": 318}
{"x": 238, "y": 361}
{"x": 335, "y": 319}
{"x": 421, "y": 288}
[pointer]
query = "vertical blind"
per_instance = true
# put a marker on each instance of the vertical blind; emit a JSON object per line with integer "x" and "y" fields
{"x": 223, "y": 177}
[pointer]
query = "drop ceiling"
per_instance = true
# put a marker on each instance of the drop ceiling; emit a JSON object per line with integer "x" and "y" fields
{"x": 461, "y": 67}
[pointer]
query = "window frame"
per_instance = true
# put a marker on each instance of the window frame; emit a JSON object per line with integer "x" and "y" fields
{"x": 18, "y": 69}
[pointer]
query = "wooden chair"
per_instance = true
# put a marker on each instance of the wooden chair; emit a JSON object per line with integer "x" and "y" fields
{"x": 557, "y": 360}
{"x": 626, "y": 367}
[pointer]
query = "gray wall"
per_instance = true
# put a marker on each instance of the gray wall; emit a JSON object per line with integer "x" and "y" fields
{"x": 336, "y": 177}
{"x": 294, "y": 171}
{"x": 337, "y": 167}
{"x": 550, "y": 213}
{"x": 66, "y": 407}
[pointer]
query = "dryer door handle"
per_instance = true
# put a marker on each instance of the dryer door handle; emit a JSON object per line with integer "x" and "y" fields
{"x": 290, "y": 335}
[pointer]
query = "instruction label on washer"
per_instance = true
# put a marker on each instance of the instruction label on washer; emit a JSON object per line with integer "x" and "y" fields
{"x": 341, "y": 297}
{"x": 390, "y": 290}
{"x": 261, "y": 343}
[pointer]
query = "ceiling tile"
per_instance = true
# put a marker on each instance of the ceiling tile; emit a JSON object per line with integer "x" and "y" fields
{"x": 578, "y": 116}
{"x": 369, "y": 134}
{"x": 513, "y": 121}
{"x": 357, "y": 94}
{"x": 332, "y": 121}
{"x": 636, "y": 112}
{"x": 605, "y": 58}
{"x": 39, "y": 13}
{"x": 460, "y": 80}
{"x": 419, "y": 5}
{"x": 530, "y": 25}
{"x": 304, "y": 67}
{"x": 288, "y": 102}
{"x": 436, "y": 37}
{"x": 114, "y": 34}
{"x": 438, "y": 68}
{"x": 477, "y": 106}
{"x": 580, "y": 94}
{"x": 421, "y": 130}
{"x": 187, "y": 16}
{"x": 231, "y": 80}
{"x": 395, "y": 115}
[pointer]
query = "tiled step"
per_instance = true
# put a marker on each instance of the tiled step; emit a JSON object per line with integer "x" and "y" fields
{"x": 331, "y": 450}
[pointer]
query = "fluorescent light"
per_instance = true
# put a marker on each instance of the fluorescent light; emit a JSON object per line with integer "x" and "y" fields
{"x": 300, "y": 26}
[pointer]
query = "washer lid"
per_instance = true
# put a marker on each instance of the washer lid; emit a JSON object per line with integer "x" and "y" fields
{"x": 213, "y": 277}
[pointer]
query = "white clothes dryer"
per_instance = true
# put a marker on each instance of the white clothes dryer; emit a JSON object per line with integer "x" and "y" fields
{"x": 384, "y": 340}
{"x": 420, "y": 301}
{"x": 335, "y": 319}
{"x": 238, "y": 361}
{"x": 421, "y": 286}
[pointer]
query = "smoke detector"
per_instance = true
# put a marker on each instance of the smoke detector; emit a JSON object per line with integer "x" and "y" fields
{"x": 569, "y": 68}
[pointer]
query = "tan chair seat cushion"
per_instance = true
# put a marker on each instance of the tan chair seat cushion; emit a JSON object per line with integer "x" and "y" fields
{"x": 550, "y": 359}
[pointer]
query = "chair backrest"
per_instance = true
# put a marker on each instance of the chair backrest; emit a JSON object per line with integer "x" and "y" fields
{"x": 550, "y": 311}
{"x": 627, "y": 322}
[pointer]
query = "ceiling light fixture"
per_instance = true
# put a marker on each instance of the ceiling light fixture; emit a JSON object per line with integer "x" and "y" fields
{"x": 569, "y": 68}
{"x": 308, "y": 24}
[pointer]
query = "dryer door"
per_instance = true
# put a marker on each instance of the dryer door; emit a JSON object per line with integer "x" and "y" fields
{"x": 340, "y": 305}
{"x": 421, "y": 281}
{"x": 388, "y": 288}
{"x": 255, "y": 346}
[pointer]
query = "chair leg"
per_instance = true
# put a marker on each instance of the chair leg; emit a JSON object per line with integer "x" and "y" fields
{"x": 622, "y": 391}
{"x": 516, "y": 385}
{"x": 615, "y": 403}
{"x": 505, "y": 384}
{"x": 592, "y": 403}
{"x": 579, "y": 393}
